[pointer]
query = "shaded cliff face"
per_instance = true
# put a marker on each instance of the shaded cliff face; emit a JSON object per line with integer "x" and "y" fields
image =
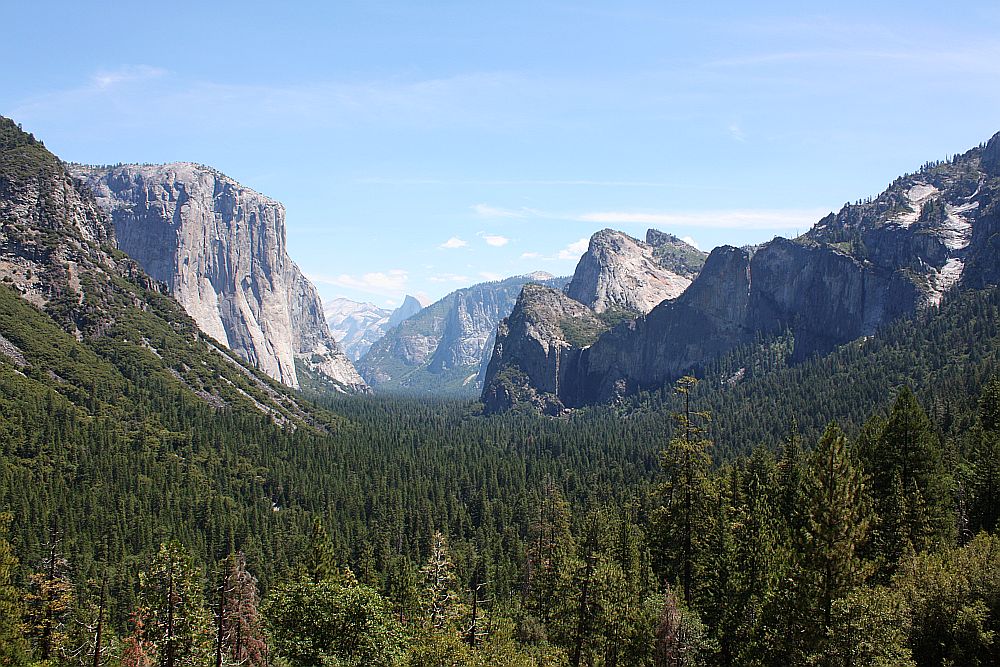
{"x": 855, "y": 271}
{"x": 444, "y": 349}
{"x": 620, "y": 272}
{"x": 220, "y": 249}
{"x": 530, "y": 359}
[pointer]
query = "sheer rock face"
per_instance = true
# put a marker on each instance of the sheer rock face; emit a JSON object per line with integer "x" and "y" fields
{"x": 853, "y": 272}
{"x": 220, "y": 249}
{"x": 623, "y": 273}
{"x": 410, "y": 307}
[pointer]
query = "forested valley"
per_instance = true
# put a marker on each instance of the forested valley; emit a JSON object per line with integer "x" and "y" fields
{"x": 765, "y": 514}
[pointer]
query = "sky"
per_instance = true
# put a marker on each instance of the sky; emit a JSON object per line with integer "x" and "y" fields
{"x": 420, "y": 147}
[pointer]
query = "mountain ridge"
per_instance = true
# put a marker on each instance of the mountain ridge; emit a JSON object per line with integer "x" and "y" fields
{"x": 853, "y": 272}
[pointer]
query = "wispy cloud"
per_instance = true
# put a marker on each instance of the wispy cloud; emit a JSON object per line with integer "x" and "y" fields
{"x": 486, "y": 211}
{"x": 574, "y": 250}
{"x": 105, "y": 80}
{"x": 490, "y": 276}
{"x": 691, "y": 241}
{"x": 736, "y": 132}
{"x": 727, "y": 219}
{"x": 972, "y": 57}
{"x": 776, "y": 219}
{"x": 448, "y": 278}
{"x": 531, "y": 255}
{"x": 388, "y": 283}
{"x": 495, "y": 240}
{"x": 453, "y": 242}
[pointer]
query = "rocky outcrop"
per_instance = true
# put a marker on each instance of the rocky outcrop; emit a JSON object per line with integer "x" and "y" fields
{"x": 533, "y": 349}
{"x": 220, "y": 249}
{"x": 855, "y": 271}
{"x": 991, "y": 156}
{"x": 619, "y": 272}
{"x": 51, "y": 231}
{"x": 444, "y": 349}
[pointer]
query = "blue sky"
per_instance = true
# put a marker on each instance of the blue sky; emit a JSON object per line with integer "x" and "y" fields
{"x": 423, "y": 146}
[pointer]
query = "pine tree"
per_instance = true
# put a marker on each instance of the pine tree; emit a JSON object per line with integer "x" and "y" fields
{"x": 401, "y": 588}
{"x": 50, "y": 601}
{"x": 551, "y": 557}
{"x": 985, "y": 461}
{"x": 175, "y": 622}
{"x": 685, "y": 463}
{"x": 321, "y": 557}
{"x": 909, "y": 448}
{"x": 91, "y": 635}
{"x": 680, "y": 636}
{"x": 837, "y": 523}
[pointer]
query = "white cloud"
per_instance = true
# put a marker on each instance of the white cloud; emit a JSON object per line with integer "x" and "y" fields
{"x": 389, "y": 283}
{"x": 574, "y": 250}
{"x": 490, "y": 276}
{"x": 530, "y": 255}
{"x": 768, "y": 219}
{"x": 453, "y": 242}
{"x": 495, "y": 240}
{"x": 731, "y": 219}
{"x": 691, "y": 241}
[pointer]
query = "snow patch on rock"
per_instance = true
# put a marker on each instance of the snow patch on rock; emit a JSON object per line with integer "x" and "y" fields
{"x": 945, "y": 279}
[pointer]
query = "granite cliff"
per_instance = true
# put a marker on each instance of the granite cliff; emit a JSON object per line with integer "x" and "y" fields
{"x": 620, "y": 272}
{"x": 220, "y": 249}
{"x": 857, "y": 270}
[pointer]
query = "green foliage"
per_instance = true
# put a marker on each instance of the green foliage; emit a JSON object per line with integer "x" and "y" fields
{"x": 22, "y": 156}
{"x": 582, "y": 331}
{"x": 685, "y": 464}
{"x": 870, "y": 626}
{"x": 175, "y": 623}
{"x": 954, "y": 603}
{"x": 328, "y": 623}
{"x": 907, "y": 456}
{"x": 13, "y": 648}
{"x": 836, "y": 525}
